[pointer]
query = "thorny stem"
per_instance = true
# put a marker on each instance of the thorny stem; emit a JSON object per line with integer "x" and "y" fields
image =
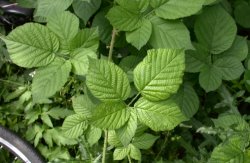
{"x": 105, "y": 146}
{"x": 112, "y": 43}
{"x": 129, "y": 159}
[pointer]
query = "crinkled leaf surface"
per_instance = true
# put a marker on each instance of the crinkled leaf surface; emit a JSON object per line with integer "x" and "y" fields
{"x": 126, "y": 133}
{"x": 159, "y": 116}
{"x": 215, "y": 29}
{"x": 160, "y": 74}
{"x": 79, "y": 60}
{"x": 50, "y": 79}
{"x": 86, "y": 38}
{"x": 141, "y": 35}
{"x": 174, "y": 9}
{"x": 144, "y": 141}
{"x": 32, "y": 45}
{"x": 169, "y": 34}
{"x": 123, "y": 19}
{"x": 134, "y": 152}
{"x": 110, "y": 115}
{"x": 120, "y": 153}
{"x": 86, "y": 8}
{"x": 65, "y": 25}
{"x": 74, "y": 125}
{"x": 107, "y": 81}
{"x": 187, "y": 99}
{"x": 134, "y": 5}
{"x": 83, "y": 105}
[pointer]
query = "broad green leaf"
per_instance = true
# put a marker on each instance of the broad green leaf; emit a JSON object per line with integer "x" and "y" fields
{"x": 59, "y": 113}
{"x": 65, "y": 25}
{"x": 159, "y": 116}
{"x": 123, "y": 19}
{"x": 86, "y": 38}
{"x": 50, "y": 7}
{"x": 210, "y": 78}
{"x": 169, "y": 34}
{"x": 93, "y": 135}
{"x": 85, "y": 8}
{"x": 196, "y": 59}
{"x": 141, "y": 35}
{"x": 239, "y": 49}
{"x": 110, "y": 115}
{"x": 134, "y": 152}
{"x": 32, "y": 49}
{"x": 113, "y": 139}
{"x": 230, "y": 121}
{"x": 120, "y": 153}
{"x": 210, "y": 2}
{"x": 174, "y": 9}
{"x": 231, "y": 151}
{"x": 130, "y": 62}
{"x": 187, "y": 100}
{"x": 134, "y": 5}
{"x": 50, "y": 79}
{"x": 215, "y": 29}
{"x": 17, "y": 93}
{"x": 240, "y": 13}
{"x": 79, "y": 60}
{"x": 83, "y": 105}
{"x": 107, "y": 81}
{"x": 157, "y": 3}
{"x": 231, "y": 68}
{"x": 103, "y": 25}
{"x": 74, "y": 125}
{"x": 46, "y": 119}
{"x": 127, "y": 132}
{"x": 144, "y": 141}
{"x": 160, "y": 74}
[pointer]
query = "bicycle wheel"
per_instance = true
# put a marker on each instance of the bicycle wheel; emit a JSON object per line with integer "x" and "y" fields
{"x": 18, "y": 147}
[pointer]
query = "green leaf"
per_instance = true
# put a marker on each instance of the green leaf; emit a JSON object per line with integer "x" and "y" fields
{"x": 86, "y": 38}
{"x": 46, "y": 119}
{"x": 210, "y": 78}
{"x": 85, "y": 8}
{"x": 215, "y": 29}
{"x": 134, "y": 5}
{"x": 230, "y": 151}
{"x": 50, "y": 7}
{"x": 144, "y": 141}
{"x": 110, "y": 115}
{"x": 123, "y": 19}
{"x": 134, "y": 152}
{"x": 65, "y": 25}
{"x": 169, "y": 34}
{"x": 196, "y": 59}
{"x": 74, "y": 125}
{"x": 83, "y": 105}
{"x": 107, "y": 81}
{"x": 240, "y": 13}
{"x": 238, "y": 50}
{"x": 159, "y": 116}
{"x": 58, "y": 113}
{"x": 113, "y": 139}
{"x": 79, "y": 60}
{"x": 32, "y": 49}
{"x": 160, "y": 74}
{"x": 103, "y": 25}
{"x": 187, "y": 100}
{"x": 231, "y": 68}
{"x": 93, "y": 135}
{"x": 127, "y": 132}
{"x": 139, "y": 37}
{"x": 174, "y": 9}
{"x": 120, "y": 153}
{"x": 157, "y": 3}
{"x": 50, "y": 79}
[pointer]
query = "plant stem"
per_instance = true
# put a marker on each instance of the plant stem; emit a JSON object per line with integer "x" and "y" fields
{"x": 129, "y": 159}
{"x": 162, "y": 147}
{"x": 133, "y": 99}
{"x": 105, "y": 146}
{"x": 11, "y": 82}
{"x": 112, "y": 43}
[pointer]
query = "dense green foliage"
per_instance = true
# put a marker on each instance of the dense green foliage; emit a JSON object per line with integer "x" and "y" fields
{"x": 130, "y": 80}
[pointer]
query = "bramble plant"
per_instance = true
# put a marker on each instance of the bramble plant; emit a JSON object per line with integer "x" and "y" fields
{"x": 132, "y": 80}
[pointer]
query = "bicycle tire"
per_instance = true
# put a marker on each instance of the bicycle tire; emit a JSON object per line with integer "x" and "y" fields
{"x": 19, "y": 147}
